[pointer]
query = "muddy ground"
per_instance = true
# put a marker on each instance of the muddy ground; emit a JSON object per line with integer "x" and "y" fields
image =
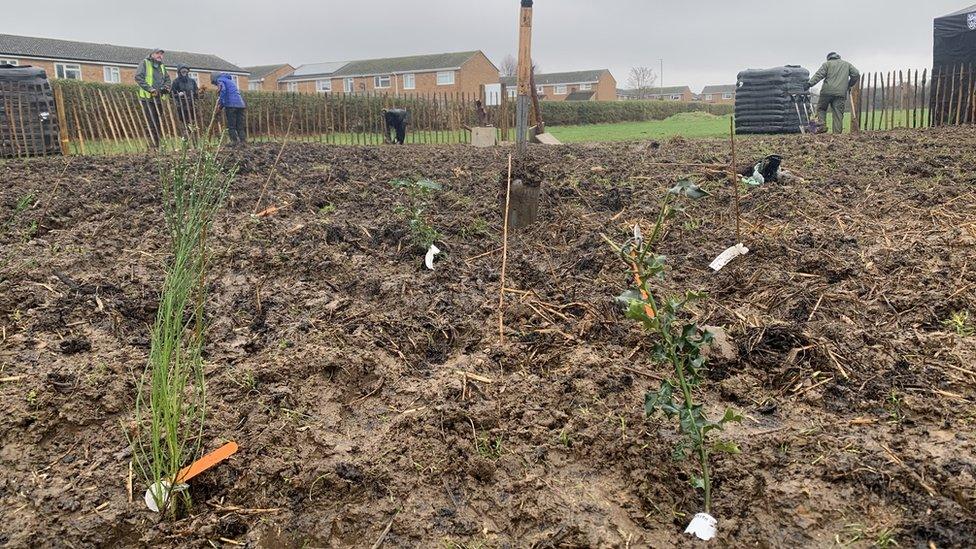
{"x": 336, "y": 360}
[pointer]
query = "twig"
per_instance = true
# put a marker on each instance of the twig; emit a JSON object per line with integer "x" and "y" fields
{"x": 386, "y": 531}
{"x": 275, "y": 165}
{"x": 501, "y": 289}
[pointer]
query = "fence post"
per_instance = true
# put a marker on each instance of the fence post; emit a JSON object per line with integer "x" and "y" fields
{"x": 63, "y": 134}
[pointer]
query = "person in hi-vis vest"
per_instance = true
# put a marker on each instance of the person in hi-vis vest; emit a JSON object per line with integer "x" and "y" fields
{"x": 154, "y": 82}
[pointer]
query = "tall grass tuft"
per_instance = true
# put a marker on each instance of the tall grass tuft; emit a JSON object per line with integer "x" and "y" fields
{"x": 170, "y": 396}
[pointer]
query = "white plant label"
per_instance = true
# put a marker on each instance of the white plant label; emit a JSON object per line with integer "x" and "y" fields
{"x": 429, "y": 258}
{"x": 702, "y": 526}
{"x": 161, "y": 491}
{"x": 727, "y": 256}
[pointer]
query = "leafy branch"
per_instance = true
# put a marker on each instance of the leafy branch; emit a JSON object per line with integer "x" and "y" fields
{"x": 677, "y": 342}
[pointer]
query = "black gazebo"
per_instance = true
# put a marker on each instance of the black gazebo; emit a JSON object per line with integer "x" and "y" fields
{"x": 954, "y": 60}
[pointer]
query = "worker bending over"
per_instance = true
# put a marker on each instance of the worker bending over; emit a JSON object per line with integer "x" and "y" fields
{"x": 230, "y": 100}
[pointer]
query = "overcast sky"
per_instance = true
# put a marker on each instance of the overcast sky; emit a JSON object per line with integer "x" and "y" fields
{"x": 701, "y": 41}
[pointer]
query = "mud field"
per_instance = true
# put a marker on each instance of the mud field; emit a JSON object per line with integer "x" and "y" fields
{"x": 337, "y": 361}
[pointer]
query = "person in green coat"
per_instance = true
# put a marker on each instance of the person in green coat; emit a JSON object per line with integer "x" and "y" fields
{"x": 838, "y": 77}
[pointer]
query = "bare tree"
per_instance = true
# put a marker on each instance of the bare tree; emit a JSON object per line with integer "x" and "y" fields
{"x": 509, "y": 66}
{"x": 642, "y": 80}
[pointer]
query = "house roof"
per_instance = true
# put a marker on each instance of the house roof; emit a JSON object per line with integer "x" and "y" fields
{"x": 68, "y": 50}
{"x": 400, "y": 65}
{"x": 314, "y": 70}
{"x": 261, "y": 71}
{"x": 970, "y": 9}
{"x": 553, "y": 78}
{"x": 724, "y": 88}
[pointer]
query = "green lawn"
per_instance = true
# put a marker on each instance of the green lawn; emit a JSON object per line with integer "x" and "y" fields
{"x": 690, "y": 125}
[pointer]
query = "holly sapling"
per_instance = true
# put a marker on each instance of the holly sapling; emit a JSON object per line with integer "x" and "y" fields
{"x": 678, "y": 342}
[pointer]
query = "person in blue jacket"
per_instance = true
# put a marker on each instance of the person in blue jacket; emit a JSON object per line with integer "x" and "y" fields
{"x": 229, "y": 100}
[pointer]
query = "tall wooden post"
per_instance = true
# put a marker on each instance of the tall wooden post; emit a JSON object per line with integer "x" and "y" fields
{"x": 524, "y": 77}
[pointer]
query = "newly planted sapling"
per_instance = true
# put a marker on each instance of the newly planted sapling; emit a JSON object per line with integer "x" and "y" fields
{"x": 422, "y": 233}
{"x": 677, "y": 342}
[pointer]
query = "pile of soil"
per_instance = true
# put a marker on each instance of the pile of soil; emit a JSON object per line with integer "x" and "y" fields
{"x": 372, "y": 399}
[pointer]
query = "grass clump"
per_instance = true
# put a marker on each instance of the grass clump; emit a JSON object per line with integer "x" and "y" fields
{"x": 170, "y": 397}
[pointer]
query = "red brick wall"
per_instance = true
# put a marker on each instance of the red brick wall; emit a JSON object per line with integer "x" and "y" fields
{"x": 605, "y": 88}
{"x": 270, "y": 82}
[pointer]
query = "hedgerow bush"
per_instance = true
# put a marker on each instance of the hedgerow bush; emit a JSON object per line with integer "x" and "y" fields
{"x": 574, "y": 113}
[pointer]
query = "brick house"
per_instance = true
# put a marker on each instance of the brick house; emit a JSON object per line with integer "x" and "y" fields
{"x": 265, "y": 77}
{"x": 461, "y": 72}
{"x": 595, "y": 85}
{"x": 91, "y": 62}
{"x": 724, "y": 94}
{"x": 672, "y": 93}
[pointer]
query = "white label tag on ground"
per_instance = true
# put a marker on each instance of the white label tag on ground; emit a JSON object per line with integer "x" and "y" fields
{"x": 429, "y": 258}
{"x": 727, "y": 256}
{"x": 702, "y": 526}
{"x": 161, "y": 491}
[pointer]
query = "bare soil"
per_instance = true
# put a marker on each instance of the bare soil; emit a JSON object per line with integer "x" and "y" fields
{"x": 338, "y": 362}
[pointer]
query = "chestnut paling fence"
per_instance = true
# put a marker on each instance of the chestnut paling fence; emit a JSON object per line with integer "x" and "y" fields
{"x": 107, "y": 118}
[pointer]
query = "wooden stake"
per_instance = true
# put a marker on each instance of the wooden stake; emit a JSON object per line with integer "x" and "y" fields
{"x": 733, "y": 176}
{"x": 63, "y": 132}
{"x": 501, "y": 289}
{"x": 524, "y": 76}
{"x": 271, "y": 173}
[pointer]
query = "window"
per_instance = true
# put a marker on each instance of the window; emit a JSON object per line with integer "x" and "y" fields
{"x": 445, "y": 78}
{"x": 708, "y": 97}
{"x": 291, "y": 86}
{"x": 409, "y": 81}
{"x": 586, "y": 87}
{"x": 561, "y": 90}
{"x": 512, "y": 92}
{"x": 253, "y": 86}
{"x": 13, "y": 62}
{"x": 349, "y": 84}
{"x": 726, "y": 96}
{"x": 676, "y": 97}
{"x": 68, "y": 71}
{"x": 237, "y": 82}
{"x": 195, "y": 76}
{"x": 380, "y": 82}
{"x": 323, "y": 86}
{"x": 541, "y": 90}
{"x": 112, "y": 75}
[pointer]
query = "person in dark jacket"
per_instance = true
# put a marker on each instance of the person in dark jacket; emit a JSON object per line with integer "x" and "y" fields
{"x": 154, "y": 82}
{"x": 838, "y": 77}
{"x": 185, "y": 92}
{"x": 396, "y": 125}
{"x": 230, "y": 100}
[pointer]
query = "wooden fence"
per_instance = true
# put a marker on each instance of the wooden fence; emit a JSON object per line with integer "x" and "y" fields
{"x": 893, "y": 99}
{"x": 103, "y": 119}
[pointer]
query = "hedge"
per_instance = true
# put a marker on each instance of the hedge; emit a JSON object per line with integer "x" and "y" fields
{"x": 574, "y": 113}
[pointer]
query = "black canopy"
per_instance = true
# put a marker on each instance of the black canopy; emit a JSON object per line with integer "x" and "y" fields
{"x": 955, "y": 38}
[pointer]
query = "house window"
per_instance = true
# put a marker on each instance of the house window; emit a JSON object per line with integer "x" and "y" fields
{"x": 676, "y": 97}
{"x": 195, "y": 76}
{"x": 541, "y": 90}
{"x": 253, "y": 86}
{"x": 445, "y": 78}
{"x": 112, "y": 75}
{"x": 349, "y": 85}
{"x": 409, "y": 81}
{"x": 560, "y": 90}
{"x": 381, "y": 82}
{"x": 726, "y": 96}
{"x": 291, "y": 86}
{"x": 586, "y": 87}
{"x": 68, "y": 71}
{"x": 323, "y": 86}
{"x": 512, "y": 92}
{"x": 708, "y": 97}
{"x": 235, "y": 79}
{"x": 13, "y": 62}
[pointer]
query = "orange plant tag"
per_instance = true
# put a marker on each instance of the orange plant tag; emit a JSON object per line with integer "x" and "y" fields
{"x": 206, "y": 462}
